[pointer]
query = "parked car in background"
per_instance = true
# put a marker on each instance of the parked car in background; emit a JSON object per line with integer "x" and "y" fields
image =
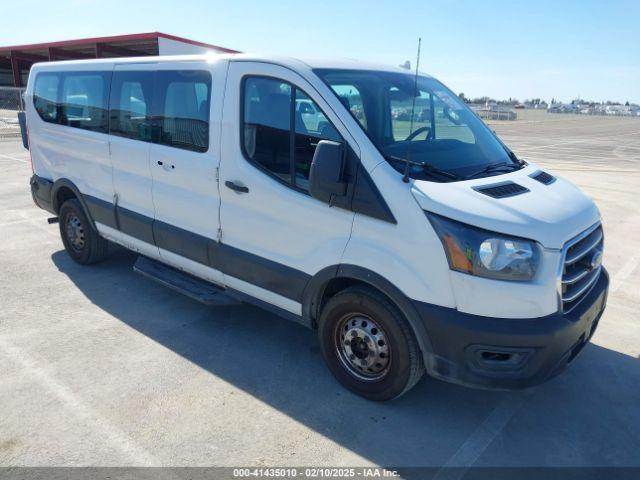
{"x": 309, "y": 115}
{"x": 495, "y": 112}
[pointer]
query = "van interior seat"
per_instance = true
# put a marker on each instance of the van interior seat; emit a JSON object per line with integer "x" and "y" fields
{"x": 184, "y": 117}
{"x": 345, "y": 101}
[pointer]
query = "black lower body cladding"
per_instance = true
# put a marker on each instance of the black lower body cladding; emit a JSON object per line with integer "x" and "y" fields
{"x": 41, "y": 192}
{"x": 275, "y": 277}
{"x": 508, "y": 353}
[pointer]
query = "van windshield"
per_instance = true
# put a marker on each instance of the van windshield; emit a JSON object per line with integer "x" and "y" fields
{"x": 443, "y": 139}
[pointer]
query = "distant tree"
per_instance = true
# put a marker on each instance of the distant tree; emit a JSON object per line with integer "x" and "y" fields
{"x": 626, "y": 103}
{"x": 462, "y": 97}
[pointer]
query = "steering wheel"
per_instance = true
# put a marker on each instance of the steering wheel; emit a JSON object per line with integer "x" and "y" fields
{"x": 417, "y": 132}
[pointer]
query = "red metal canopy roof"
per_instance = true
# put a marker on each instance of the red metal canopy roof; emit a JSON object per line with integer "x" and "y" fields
{"x": 115, "y": 38}
{"x": 16, "y": 60}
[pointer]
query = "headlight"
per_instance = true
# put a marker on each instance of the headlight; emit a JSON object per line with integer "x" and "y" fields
{"x": 485, "y": 254}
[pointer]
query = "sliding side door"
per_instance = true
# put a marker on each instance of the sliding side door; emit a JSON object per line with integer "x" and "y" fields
{"x": 184, "y": 163}
{"x": 131, "y": 100}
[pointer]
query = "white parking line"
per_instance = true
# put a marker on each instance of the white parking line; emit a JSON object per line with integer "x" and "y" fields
{"x": 116, "y": 438}
{"x": 621, "y": 276}
{"x": 15, "y": 222}
{"x": 38, "y": 223}
{"x": 481, "y": 438}
{"x": 13, "y": 158}
{"x": 587, "y": 140}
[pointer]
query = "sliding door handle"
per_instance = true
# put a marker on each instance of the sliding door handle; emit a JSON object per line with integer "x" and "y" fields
{"x": 236, "y": 188}
{"x": 165, "y": 166}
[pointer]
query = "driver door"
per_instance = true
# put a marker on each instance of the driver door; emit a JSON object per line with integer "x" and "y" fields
{"x": 275, "y": 236}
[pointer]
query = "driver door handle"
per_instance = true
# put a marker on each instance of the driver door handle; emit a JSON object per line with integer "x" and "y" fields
{"x": 236, "y": 188}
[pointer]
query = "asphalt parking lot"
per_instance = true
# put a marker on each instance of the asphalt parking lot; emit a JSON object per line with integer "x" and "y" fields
{"x": 99, "y": 366}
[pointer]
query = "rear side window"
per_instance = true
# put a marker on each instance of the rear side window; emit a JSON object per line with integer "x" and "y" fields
{"x": 84, "y": 100}
{"x": 45, "y": 96}
{"x": 183, "y": 105}
{"x": 130, "y": 104}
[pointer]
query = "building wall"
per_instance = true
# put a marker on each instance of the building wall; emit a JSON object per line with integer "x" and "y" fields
{"x": 171, "y": 47}
{"x": 140, "y": 44}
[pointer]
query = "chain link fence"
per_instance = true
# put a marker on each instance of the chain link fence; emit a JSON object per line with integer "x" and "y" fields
{"x": 11, "y": 102}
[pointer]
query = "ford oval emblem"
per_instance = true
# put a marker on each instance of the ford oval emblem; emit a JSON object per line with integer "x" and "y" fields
{"x": 596, "y": 260}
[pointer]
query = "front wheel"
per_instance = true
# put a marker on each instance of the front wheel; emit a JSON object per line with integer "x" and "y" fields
{"x": 82, "y": 242}
{"x": 368, "y": 344}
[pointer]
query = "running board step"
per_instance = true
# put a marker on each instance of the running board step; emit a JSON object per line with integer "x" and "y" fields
{"x": 182, "y": 282}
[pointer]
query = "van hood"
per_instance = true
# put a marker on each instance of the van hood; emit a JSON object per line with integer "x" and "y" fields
{"x": 550, "y": 214}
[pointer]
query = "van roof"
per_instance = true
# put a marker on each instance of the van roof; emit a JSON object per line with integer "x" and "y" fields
{"x": 312, "y": 63}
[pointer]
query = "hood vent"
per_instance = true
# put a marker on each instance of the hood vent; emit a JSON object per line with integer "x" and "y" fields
{"x": 543, "y": 177}
{"x": 502, "y": 190}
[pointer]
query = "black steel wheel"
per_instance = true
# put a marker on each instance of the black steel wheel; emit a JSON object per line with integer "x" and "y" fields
{"x": 82, "y": 242}
{"x": 368, "y": 344}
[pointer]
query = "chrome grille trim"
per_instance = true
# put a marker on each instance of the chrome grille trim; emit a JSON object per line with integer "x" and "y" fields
{"x": 575, "y": 277}
{"x": 584, "y": 248}
{"x": 582, "y": 289}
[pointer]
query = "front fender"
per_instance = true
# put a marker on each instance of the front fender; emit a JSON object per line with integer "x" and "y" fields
{"x": 315, "y": 288}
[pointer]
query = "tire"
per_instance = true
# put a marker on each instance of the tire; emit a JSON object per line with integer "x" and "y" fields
{"x": 81, "y": 241}
{"x": 350, "y": 326}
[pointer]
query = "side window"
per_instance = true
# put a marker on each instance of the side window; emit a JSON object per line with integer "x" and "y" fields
{"x": 305, "y": 108}
{"x": 267, "y": 124}
{"x": 84, "y": 101}
{"x": 311, "y": 127}
{"x": 277, "y": 117}
{"x": 184, "y": 98}
{"x": 45, "y": 96}
{"x": 130, "y": 104}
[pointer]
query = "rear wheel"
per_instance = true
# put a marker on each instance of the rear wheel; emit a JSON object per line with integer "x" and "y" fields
{"x": 368, "y": 344}
{"x": 82, "y": 242}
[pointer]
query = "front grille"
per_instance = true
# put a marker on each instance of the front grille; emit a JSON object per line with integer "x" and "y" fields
{"x": 581, "y": 266}
{"x": 502, "y": 190}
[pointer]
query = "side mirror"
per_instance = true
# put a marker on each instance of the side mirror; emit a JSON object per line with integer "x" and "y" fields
{"x": 325, "y": 176}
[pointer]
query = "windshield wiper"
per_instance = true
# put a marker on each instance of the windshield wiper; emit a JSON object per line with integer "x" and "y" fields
{"x": 513, "y": 157}
{"x": 427, "y": 167}
{"x": 495, "y": 167}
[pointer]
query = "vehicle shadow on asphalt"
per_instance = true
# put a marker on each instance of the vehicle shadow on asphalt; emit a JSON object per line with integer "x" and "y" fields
{"x": 587, "y": 416}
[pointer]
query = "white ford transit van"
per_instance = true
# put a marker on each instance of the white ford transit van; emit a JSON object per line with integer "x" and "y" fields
{"x": 361, "y": 201}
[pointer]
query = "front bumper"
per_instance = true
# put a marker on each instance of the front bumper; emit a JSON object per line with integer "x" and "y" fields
{"x": 508, "y": 353}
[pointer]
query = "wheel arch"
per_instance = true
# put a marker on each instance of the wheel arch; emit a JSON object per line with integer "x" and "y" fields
{"x": 331, "y": 280}
{"x": 64, "y": 189}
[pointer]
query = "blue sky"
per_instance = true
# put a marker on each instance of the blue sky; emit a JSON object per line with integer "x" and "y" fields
{"x": 516, "y": 48}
